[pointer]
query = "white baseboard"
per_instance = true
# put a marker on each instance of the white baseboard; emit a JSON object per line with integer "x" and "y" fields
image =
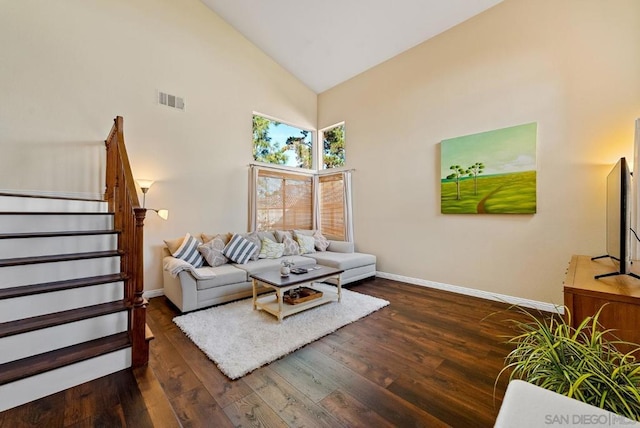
{"x": 512, "y": 300}
{"x": 153, "y": 293}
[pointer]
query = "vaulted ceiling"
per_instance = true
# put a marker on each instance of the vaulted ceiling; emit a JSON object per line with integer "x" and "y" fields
{"x": 326, "y": 42}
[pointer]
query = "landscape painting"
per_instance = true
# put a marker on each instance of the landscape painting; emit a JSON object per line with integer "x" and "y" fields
{"x": 491, "y": 172}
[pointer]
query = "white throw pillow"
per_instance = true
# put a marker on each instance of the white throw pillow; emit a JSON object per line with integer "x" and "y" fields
{"x": 307, "y": 244}
{"x": 271, "y": 249}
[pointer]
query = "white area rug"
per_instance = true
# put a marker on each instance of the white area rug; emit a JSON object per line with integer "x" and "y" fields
{"x": 239, "y": 339}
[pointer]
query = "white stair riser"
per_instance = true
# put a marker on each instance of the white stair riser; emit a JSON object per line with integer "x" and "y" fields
{"x": 48, "y": 339}
{"x": 14, "y": 276}
{"x": 17, "y": 223}
{"x": 46, "y": 303}
{"x": 15, "y": 203}
{"x": 25, "y": 390}
{"x": 32, "y": 247}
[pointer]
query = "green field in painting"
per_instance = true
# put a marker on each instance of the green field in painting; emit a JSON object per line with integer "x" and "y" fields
{"x": 513, "y": 193}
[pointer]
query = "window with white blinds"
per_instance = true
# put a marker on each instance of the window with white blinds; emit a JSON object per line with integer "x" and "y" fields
{"x": 331, "y": 201}
{"x": 283, "y": 200}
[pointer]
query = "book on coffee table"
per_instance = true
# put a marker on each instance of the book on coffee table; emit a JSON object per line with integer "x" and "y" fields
{"x": 305, "y": 269}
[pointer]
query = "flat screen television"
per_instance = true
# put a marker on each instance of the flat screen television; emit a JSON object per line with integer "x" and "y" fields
{"x": 619, "y": 219}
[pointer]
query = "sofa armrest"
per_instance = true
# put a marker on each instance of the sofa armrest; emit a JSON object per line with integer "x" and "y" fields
{"x": 341, "y": 247}
{"x": 174, "y": 266}
{"x": 181, "y": 290}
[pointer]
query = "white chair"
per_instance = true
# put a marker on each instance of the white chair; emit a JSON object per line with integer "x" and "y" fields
{"x": 529, "y": 406}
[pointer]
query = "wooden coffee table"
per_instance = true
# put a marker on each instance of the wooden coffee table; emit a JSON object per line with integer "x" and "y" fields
{"x": 274, "y": 304}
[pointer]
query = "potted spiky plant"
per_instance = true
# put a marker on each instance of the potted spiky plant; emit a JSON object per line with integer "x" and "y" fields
{"x": 583, "y": 363}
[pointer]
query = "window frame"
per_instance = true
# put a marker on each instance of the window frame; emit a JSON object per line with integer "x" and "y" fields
{"x": 320, "y": 147}
{"x": 315, "y": 200}
{"x": 316, "y": 172}
{"x": 320, "y": 220}
{"x": 314, "y": 145}
{"x": 282, "y": 174}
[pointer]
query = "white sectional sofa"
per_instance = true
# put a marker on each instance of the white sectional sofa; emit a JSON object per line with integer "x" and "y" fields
{"x": 190, "y": 288}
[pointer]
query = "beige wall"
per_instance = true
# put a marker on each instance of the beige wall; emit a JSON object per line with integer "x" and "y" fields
{"x": 571, "y": 66}
{"x": 68, "y": 67}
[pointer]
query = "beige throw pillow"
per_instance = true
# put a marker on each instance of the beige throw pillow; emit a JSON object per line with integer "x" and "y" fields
{"x": 226, "y": 237}
{"x": 173, "y": 244}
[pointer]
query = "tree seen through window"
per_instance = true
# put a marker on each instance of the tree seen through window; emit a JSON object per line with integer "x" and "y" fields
{"x": 278, "y": 143}
{"x": 333, "y": 146}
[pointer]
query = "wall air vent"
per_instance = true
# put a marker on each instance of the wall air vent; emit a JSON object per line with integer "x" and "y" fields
{"x": 171, "y": 100}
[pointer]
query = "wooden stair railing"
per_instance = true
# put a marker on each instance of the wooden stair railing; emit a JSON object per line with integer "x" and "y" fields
{"x": 122, "y": 199}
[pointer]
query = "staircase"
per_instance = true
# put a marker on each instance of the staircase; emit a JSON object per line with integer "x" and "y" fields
{"x": 71, "y": 306}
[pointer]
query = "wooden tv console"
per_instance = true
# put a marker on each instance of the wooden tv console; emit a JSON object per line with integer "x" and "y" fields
{"x": 584, "y": 295}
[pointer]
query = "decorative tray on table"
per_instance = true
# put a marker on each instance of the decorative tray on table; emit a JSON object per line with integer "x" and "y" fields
{"x": 300, "y": 295}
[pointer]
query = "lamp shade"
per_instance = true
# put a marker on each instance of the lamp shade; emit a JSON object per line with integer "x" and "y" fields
{"x": 144, "y": 184}
{"x": 163, "y": 214}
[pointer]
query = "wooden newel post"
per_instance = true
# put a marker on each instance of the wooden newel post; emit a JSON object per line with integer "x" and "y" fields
{"x": 140, "y": 347}
{"x": 128, "y": 220}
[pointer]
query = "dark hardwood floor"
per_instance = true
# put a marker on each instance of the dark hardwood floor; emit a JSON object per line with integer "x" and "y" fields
{"x": 429, "y": 359}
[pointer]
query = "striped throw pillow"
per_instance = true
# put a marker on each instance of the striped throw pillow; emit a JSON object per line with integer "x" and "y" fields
{"x": 239, "y": 250}
{"x": 188, "y": 251}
